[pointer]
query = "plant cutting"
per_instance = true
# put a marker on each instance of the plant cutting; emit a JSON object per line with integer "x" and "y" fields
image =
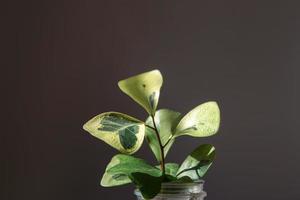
{"x": 163, "y": 126}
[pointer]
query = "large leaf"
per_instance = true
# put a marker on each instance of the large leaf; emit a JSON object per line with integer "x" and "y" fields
{"x": 122, "y": 166}
{"x": 115, "y": 179}
{"x": 148, "y": 185}
{"x": 120, "y": 131}
{"x": 165, "y": 120}
{"x": 144, "y": 89}
{"x": 202, "y": 121}
{"x": 197, "y": 163}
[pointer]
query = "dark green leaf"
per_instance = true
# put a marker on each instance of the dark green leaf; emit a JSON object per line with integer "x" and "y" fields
{"x": 127, "y": 136}
{"x": 148, "y": 185}
{"x": 184, "y": 179}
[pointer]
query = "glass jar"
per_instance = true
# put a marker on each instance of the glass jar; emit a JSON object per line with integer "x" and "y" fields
{"x": 176, "y": 191}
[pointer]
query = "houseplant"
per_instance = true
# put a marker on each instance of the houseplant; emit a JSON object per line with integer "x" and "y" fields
{"x": 160, "y": 129}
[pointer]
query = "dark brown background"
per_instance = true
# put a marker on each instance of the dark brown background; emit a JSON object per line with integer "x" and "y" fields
{"x": 63, "y": 59}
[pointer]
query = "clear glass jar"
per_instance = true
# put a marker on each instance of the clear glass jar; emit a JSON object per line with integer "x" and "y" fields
{"x": 176, "y": 191}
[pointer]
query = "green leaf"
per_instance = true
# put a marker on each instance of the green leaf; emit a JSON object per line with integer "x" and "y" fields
{"x": 202, "y": 121}
{"x": 171, "y": 168}
{"x": 120, "y": 131}
{"x": 197, "y": 163}
{"x": 165, "y": 120}
{"x": 184, "y": 179}
{"x": 115, "y": 179}
{"x": 121, "y": 166}
{"x": 144, "y": 89}
{"x": 148, "y": 185}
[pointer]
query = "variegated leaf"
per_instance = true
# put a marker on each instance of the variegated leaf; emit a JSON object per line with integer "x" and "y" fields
{"x": 197, "y": 163}
{"x": 144, "y": 89}
{"x": 202, "y": 121}
{"x": 120, "y": 131}
{"x": 120, "y": 168}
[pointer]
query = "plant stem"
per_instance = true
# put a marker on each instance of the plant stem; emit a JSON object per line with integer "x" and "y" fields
{"x": 162, "y": 163}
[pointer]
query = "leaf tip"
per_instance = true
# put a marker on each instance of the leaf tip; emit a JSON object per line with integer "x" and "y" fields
{"x": 86, "y": 127}
{"x": 102, "y": 182}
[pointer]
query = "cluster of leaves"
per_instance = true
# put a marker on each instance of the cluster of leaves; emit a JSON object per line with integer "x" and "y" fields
{"x": 161, "y": 128}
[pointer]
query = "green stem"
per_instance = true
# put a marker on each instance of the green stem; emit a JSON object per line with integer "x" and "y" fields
{"x": 162, "y": 163}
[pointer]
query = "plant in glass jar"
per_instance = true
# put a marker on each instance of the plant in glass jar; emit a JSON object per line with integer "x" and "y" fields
{"x": 126, "y": 134}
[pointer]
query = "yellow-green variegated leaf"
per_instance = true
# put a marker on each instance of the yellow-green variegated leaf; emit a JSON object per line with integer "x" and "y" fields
{"x": 202, "y": 121}
{"x": 144, "y": 89}
{"x": 120, "y": 168}
{"x": 114, "y": 179}
{"x": 120, "y": 131}
{"x": 165, "y": 120}
{"x": 197, "y": 163}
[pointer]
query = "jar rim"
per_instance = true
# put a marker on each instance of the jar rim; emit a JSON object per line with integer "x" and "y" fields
{"x": 178, "y": 186}
{"x": 173, "y": 183}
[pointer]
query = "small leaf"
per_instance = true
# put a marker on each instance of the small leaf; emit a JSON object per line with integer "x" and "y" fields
{"x": 202, "y": 121}
{"x": 165, "y": 120}
{"x": 144, "y": 89}
{"x": 169, "y": 178}
{"x": 121, "y": 166}
{"x": 120, "y": 131}
{"x": 171, "y": 168}
{"x": 148, "y": 185}
{"x": 197, "y": 163}
{"x": 184, "y": 179}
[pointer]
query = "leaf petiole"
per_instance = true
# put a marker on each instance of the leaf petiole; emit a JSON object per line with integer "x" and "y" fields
{"x": 162, "y": 163}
